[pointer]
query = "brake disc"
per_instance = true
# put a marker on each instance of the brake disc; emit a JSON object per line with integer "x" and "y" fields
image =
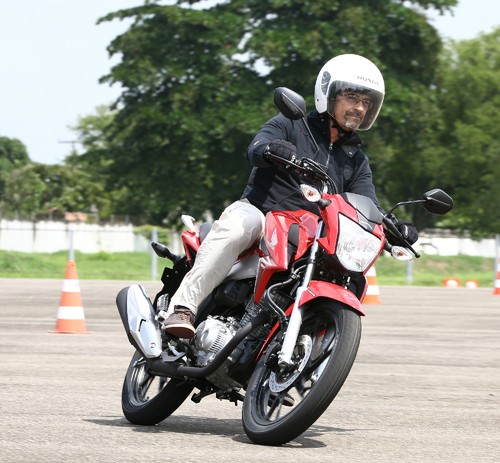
{"x": 280, "y": 381}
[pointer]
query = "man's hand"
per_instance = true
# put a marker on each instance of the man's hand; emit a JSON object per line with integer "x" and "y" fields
{"x": 282, "y": 148}
{"x": 409, "y": 231}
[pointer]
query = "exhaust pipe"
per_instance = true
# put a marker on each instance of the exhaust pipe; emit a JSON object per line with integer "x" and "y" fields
{"x": 176, "y": 370}
{"x": 143, "y": 332}
{"x": 139, "y": 320}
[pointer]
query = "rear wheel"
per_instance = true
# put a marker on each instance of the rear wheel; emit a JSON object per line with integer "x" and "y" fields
{"x": 281, "y": 405}
{"x": 149, "y": 399}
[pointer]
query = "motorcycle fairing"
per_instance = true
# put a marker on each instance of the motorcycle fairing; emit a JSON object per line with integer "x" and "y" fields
{"x": 364, "y": 218}
{"x": 368, "y": 213}
{"x": 277, "y": 232}
{"x": 287, "y": 237}
{"x": 191, "y": 243}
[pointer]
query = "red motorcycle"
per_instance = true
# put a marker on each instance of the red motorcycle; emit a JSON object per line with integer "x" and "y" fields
{"x": 281, "y": 333}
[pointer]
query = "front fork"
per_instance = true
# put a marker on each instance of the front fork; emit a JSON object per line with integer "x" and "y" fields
{"x": 295, "y": 322}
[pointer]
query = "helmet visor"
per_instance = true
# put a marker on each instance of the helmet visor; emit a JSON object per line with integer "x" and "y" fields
{"x": 372, "y": 100}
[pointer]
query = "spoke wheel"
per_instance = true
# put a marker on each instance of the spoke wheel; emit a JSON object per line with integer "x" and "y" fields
{"x": 281, "y": 405}
{"x": 149, "y": 399}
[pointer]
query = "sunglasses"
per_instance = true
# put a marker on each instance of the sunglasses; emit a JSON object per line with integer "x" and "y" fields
{"x": 354, "y": 99}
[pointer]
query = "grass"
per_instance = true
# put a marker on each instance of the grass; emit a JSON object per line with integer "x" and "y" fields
{"x": 427, "y": 271}
{"x": 99, "y": 266}
{"x": 432, "y": 270}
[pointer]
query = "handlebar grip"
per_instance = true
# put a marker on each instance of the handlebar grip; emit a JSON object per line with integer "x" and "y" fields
{"x": 387, "y": 246}
{"x": 323, "y": 203}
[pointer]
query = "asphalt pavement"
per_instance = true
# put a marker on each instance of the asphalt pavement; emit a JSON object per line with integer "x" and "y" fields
{"x": 425, "y": 387}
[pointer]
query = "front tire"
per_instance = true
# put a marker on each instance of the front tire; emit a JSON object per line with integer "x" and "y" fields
{"x": 279, "y": 406}
{"x": 147, "y": 399}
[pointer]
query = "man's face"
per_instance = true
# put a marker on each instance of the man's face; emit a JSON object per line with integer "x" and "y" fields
{"x": 350, "y": 109}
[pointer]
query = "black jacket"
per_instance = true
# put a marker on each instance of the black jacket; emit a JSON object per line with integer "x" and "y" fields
{"x": 273, "y": 188}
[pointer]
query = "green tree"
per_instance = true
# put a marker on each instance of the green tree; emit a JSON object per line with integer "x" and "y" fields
{"x": 467, "y": 156}
{"x": 179, "y": 134}
{"x": 23, "y": 192}
{"x": 198, "y": 83}
{"x": 13, "y": 155}
{"x": 37, "y": 190}
{"x": 92, "y": 133}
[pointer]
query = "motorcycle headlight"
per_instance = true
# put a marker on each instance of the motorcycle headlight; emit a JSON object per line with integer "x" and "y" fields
{"x": 356, "y": 247}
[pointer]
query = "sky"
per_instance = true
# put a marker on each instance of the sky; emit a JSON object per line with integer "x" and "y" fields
{"x": 52, "y": 54}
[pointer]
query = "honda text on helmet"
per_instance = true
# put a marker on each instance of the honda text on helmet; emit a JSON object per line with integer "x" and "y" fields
{"x": 351, "y": 89}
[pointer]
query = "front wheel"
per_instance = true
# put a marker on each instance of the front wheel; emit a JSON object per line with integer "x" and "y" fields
{"x": 281, "y": 405}
{"x": 148, "y": 399}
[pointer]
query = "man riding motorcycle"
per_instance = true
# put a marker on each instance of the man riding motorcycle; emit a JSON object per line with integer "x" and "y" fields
{"x": 349, "y": 93}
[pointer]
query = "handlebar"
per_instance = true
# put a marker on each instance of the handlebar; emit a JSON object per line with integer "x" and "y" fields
{"x": 312, "y": 169}
{"x": 307, "y": 168}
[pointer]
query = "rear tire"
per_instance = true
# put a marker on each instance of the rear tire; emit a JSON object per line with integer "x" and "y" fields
{"x": 147, "y": 399}
{"x": 325, "y": 352}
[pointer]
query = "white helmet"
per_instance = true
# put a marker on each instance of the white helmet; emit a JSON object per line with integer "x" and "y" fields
{"x": 351, "y": 72}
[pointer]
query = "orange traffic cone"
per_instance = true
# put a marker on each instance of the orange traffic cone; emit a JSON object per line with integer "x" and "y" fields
{"x": 70, "y": 316}
{"x": 472, "y": 284}
{"x": 452, "y": 283}
{"x": 496, "y": 290}
{"x": 372, "y": 295}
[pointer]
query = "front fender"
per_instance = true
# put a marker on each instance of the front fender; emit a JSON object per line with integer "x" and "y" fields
{"x": 331, "y": 291}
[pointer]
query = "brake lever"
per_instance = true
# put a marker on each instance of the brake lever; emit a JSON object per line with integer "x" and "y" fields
{"x": 279, "y": 160}
{"x": 305, "y": 167}
{"x": 317, "y": 170}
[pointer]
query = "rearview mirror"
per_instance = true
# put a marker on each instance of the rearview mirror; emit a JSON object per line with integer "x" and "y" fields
{"x": 290, "y": 103}
{"x": 437, "y": 202}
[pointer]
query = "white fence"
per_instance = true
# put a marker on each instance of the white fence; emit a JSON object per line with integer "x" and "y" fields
{"x": 445, "y": 243}
{"x": 53, "y": 236}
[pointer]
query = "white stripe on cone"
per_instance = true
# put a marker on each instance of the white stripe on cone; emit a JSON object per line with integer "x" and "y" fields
{"x": 70, "y": 313}
{"x": 372, "y": 290}
{"x": 371, "y": 272}
{"x": 71, "y": 286}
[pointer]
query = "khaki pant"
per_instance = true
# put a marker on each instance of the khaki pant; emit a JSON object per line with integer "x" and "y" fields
{"x": 237, "y": 229}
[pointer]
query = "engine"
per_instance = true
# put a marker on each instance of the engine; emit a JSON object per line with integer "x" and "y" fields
{"x": 211, "y": 337}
